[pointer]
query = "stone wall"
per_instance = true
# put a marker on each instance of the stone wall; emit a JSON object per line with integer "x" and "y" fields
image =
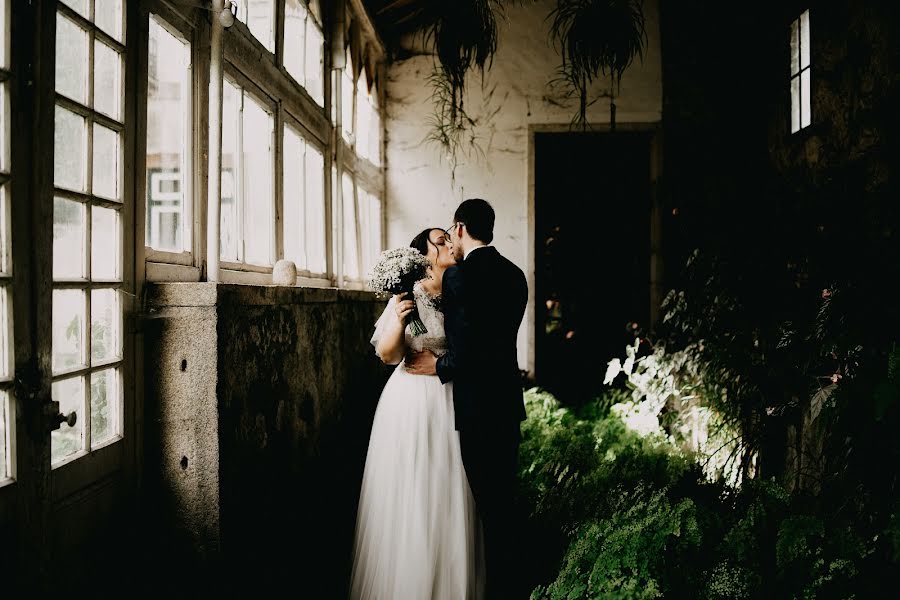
{"x": 258, "y": 407}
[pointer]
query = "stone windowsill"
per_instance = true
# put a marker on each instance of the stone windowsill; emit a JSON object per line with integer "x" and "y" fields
{"x": 214, "y": 294}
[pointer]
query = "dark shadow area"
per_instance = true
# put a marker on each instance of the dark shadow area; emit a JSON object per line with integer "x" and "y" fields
{"x": 592, "y": 247}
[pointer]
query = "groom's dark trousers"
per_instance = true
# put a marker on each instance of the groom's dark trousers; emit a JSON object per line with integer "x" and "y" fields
{"x": 484, "y": 302}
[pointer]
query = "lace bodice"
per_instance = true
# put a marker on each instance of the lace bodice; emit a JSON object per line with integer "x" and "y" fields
{"x": 431, "y": 315}
{"x": 430, "y": 312}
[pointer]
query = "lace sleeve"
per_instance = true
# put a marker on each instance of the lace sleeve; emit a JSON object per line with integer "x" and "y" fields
{"x": 381, "y": 323}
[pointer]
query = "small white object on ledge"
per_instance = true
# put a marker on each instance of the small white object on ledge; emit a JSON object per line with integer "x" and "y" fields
{"x": 284, "y": 273}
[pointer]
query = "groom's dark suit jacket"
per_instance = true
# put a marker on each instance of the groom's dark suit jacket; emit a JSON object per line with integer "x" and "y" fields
{"x": 484, "y": 301}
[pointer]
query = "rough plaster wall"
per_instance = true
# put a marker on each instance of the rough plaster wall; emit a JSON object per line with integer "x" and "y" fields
{"x": 420, "y": 189}
{"x": 291, "y": 383}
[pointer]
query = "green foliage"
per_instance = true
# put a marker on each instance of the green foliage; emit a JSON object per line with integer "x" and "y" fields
{"x": 620, "y": 556}
{"x": 620, "y": 515}
{"x": 567, "y": 456}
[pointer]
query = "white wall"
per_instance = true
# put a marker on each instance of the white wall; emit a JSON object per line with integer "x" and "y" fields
{"x": 420, "y": 190}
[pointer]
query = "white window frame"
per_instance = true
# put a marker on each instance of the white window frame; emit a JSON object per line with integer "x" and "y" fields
{"x": 804, "y": 99}
{"x": 250, "y": 65}
{"x": 248, "y": 87}
{"x": 7, "y": 353}
{"x": 309, "y": 141}
{"x": 179, "y": 29}
{"x": 162, "y": 265}
{"x": 90, "y": 201}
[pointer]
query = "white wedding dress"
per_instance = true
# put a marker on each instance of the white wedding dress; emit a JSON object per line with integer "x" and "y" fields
{"x": 417, "y": 534}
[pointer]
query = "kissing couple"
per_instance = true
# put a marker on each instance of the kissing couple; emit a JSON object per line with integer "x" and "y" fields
{"x": 437, "y": 504}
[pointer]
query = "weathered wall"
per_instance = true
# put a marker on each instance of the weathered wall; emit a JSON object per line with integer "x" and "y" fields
{"x": 420, "y": 189}
{"x": 261, "y": 399}
{"x": 787, "y": 215}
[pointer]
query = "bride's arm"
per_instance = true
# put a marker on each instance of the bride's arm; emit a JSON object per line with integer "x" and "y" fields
{"x": 391, "y": 345}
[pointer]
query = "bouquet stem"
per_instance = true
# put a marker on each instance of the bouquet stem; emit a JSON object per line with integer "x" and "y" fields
{"x": 416, "y": 326}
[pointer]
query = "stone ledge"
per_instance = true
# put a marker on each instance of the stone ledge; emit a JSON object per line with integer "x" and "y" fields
{"x": 217, "y": 294}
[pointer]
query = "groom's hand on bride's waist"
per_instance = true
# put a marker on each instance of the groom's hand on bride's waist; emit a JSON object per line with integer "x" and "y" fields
{"x": 421, "y": 363}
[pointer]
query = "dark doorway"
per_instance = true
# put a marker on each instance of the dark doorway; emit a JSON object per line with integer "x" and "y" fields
{"x": 592, "y": 272}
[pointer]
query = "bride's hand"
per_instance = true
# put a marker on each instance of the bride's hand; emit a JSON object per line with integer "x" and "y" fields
{"x": 403, "y": 307}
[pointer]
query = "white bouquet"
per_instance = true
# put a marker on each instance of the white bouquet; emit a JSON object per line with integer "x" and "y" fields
{"x": 397, "y": 271}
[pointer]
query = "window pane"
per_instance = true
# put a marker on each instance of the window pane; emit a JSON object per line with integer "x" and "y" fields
{"x": 795, "y": 47}
{"x": 804, "y": 39}
{"x": 365, "y": 229}
{"x": 375, "y": 222}
{"x": 804, "y": 98}
{"x": 68, "y": 239}
{"x": 4, "y": 127}
{"x": 347, "y": 99}
{"x": 106, "y": 162}
{"x": 259, "y": 171}
{"x": 5, "y": 335}
{"x": 79, "y": 6}
{"x": 106, "y": 339}
{"x": 315, "y": 210}
{"x": 351, "y": 260}
{"x": 375, "y": 128}
{"x": 105, "y": 244}
{"x": 168, "y": 109}
{"x": 68, "y": 440}
{"x": 107, "y": 80}
{"x": 363, "y": 117}
{"x": 231, "y": 102}
{"x": 372, "y": 241}
{"x": 260, "y": 20}
{"x": 315, "y": 78}
{"x": 4, "y": 38}
{"x": 4, "y": 436}
{"x": 294, "y": 39}
{"x": 293, "y": 198}
{"x": 4, "y": 230}
{"x": 795, "y": 104}
{"x": 108, "y": 17}
{"x": 69, "y": 149}
{"x": 71, "y": 59}
{"x": 68, "y": 329}
{"x": 104, "y": 406}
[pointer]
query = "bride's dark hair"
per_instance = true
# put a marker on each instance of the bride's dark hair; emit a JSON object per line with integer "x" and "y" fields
{"x": 421, "y": 241}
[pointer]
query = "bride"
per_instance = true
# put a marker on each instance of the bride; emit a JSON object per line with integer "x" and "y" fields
{"x": 417, "y": 534}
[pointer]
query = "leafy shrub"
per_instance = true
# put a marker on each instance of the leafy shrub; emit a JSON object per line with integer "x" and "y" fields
{"x": 620, "y": 556}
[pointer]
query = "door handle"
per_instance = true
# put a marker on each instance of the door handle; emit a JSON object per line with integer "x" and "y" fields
{"x": 56, "y": 418}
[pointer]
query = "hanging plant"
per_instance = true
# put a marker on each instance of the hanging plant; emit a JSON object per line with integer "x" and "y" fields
{"x": 463, "y": 34}
{"x": 597, "y": 38}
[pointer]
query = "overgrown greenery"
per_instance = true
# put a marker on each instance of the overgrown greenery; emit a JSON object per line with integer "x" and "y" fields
{"x": 615, "y": 514}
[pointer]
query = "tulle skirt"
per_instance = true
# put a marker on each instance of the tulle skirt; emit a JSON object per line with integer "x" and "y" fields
{"x": 417, "y": 533}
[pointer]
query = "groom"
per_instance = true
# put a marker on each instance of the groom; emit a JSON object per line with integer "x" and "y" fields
{"x": 484, "y": 298}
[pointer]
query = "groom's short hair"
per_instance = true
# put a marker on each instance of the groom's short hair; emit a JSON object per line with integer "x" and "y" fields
{"x": 478, "y": 217}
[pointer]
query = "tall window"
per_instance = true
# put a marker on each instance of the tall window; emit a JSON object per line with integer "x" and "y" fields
{"x": 168, "y": 139}
{"x": 259, "y": 15}
{"x": 247, "y": 212}
{"x": 303, "y": 46}
{"x": 304, "y": 203}
{"x": 800, "y": 67}
{"x": 6, "y": 331}
{"x": 87, "y": 233}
